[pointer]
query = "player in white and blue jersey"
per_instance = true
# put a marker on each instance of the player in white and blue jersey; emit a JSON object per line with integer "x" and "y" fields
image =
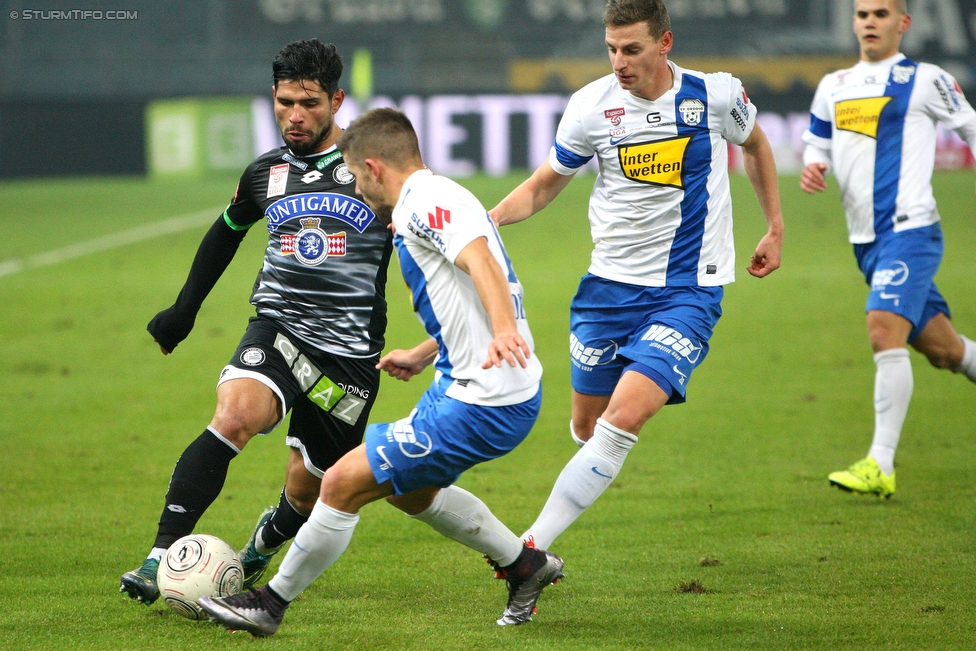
{"x": 874, "y": 126}
{"x": 661, "y": 219}
{"x": 484, "y": 399}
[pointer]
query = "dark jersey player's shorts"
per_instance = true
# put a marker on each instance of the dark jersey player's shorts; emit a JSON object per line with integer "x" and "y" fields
{"x": 329, "y": 396}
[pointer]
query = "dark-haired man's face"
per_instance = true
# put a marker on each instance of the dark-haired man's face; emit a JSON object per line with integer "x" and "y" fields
{"x": 306, "y": 116}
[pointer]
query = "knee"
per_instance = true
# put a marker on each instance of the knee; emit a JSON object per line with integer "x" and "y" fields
{"x": 236, "y": 426}
{"x": 303, "y": 501}
{"x": 942, "y": 357}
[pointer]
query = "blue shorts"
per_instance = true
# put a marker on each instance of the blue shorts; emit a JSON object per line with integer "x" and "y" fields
{"x": 660, "y": 332}
{"x": 900, "y": 269}
{"x": 443, "y": 437}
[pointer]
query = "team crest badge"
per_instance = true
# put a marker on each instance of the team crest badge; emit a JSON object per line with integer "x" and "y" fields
{"x": 691, "y": 111}
{"x": 902, "y": 74}
{"x": 311, "y": 245}
{"x": 342, "y": 175}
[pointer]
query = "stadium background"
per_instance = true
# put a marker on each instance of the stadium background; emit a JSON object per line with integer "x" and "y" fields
{"x": 174, "y": 86}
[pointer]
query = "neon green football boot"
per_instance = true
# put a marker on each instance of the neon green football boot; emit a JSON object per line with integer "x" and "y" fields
{"x": 865, "y": 477}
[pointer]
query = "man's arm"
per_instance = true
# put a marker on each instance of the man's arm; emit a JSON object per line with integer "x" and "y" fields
{"x": 489, "y": 279}
{"x": 761, "y": 170}
{"x": 173, "y": 325}
{"x": 404, "y": 364}
{"x": 534, "y": 194}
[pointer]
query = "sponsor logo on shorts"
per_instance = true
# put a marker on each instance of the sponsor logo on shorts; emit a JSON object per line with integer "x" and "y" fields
{"x": 883, "y": 279}
{"x": 252, "y": 357}
{"x": 598, "y": 354}
{"x": 341, "y": 174}
{"x": 412, "y": 443}
{"x": 673, "y": 342}
{"x": 386, "y": 465}
{"x": 277, "y": 180}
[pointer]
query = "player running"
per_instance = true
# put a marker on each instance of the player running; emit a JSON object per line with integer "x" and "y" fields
{"x": 661, "y": 221}
{"x": 321, "y": 315}
{"x": 470, "y": 301}
{"x": 874, "y": 125}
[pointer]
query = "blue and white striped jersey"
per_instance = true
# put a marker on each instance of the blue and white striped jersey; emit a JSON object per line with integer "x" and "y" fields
{"x": 660, "y": 211}
{"x": 874, "y": 124}
{"x": 435, "y": 218}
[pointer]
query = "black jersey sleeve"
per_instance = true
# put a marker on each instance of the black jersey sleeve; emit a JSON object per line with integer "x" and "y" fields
{"x": 172, "y": 325}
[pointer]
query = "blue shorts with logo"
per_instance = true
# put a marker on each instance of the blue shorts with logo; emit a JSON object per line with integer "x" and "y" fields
{"x": 900, "y": 269}
{"x": 443, "y": 437}
{"x": 660, "y": 332}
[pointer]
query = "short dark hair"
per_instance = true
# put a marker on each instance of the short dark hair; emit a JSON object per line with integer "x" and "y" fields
{"x": 309, "y": 60}
{"x": 382, "y": 133}
{"x": 620, "y": 13}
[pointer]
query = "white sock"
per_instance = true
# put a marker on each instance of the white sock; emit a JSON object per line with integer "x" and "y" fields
{"x": 968, "y": 363}
{"x": 893, "y": 386}
{"x": 572, "y": 432}
{"x": 583, "y": 480}
{"x": 157, "y": 553}
{"x": 319, "y": 543}
{"x": 461, "y": 516}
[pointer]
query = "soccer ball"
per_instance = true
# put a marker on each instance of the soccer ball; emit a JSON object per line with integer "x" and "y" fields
{"x": 198, "y": 566}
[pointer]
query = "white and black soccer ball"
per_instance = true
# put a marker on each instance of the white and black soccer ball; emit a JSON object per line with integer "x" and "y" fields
{"x": 198, "y": 566}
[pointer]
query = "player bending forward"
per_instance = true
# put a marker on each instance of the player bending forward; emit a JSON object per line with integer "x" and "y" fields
{"x": 477, "y": 409}
{"x": 875, "y": 124}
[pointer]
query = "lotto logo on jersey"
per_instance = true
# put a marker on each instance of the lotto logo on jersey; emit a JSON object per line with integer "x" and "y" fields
{"x": 672, "y": 341}
{"x": 438, "y": 218}
{"x": 860, "y": 115}
{"x": 277, "y": 180}
{"x": 656, "y": 163}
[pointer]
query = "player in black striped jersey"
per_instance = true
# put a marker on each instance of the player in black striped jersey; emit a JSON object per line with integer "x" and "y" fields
{"x": 312, "y": 346}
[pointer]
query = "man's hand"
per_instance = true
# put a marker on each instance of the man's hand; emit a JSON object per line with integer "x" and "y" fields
{"x": 404, "y": 364}
{"x": 169, "y": 328}
{"x": 813, "y": 179}
{"x": 767, "y": 257}
{"x": 509, "y": 346}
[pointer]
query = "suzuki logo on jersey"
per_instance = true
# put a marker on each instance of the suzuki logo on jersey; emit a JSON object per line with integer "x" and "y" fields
{"x": 691, "y": 111}
{"x": 311, "y": 245}
{"x": 438, "y": 217}
{"x": 598, "y": 354}
{"x": 860, "y": 115}
{"x": 672, "y": 341}
{"x": 277, "y": 180}
{"x": 656, "y": 163}
{"x": 614, "y": 115}
{"x": 346, "y": 209}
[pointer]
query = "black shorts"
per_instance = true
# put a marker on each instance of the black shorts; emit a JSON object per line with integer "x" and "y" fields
{"x": 329, "y": 396}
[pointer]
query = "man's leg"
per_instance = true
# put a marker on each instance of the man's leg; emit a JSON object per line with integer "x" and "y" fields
{"x": 893, "y": 385}
{"x": 244, "y": 408}
{"x": 346, "y": 487}
{"x": 946, "y": 348}
{"x": 279, "y": 524}
{"x": 635, "y": 400}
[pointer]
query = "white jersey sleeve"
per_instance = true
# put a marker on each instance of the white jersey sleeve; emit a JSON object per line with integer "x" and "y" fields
{"x": 947, "y": 104}
{"x": 572, "y": 149}
{"x": 729, "y": 97}
{"x": 818, "y": 136}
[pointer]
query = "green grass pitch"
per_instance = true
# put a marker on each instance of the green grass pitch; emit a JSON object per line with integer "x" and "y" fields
{"x": 720, "y": 533}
